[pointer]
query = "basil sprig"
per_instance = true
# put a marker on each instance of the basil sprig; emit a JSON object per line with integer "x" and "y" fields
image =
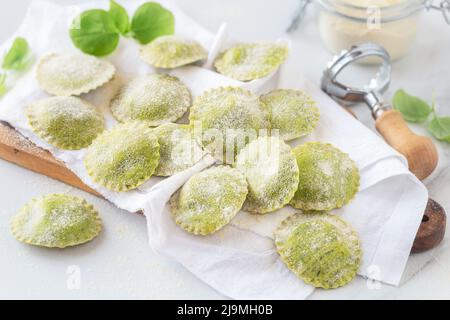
{"x": 414, "y": 109}
{"x": 120, "y": 17}
{"x": 97, "y": 32}
{"x": 2, "y": 83}
{"x": 18, "y": 58}
{"x": 150, "y": 21}
{"x": 439, "y": 127}
{"x": 94, "y": 32}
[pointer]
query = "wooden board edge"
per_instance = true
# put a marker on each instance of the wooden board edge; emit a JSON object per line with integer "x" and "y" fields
{"x": 17, "y": 149}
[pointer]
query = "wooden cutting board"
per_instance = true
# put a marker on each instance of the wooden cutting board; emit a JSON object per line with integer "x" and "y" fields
{"x": 17, "y": 149}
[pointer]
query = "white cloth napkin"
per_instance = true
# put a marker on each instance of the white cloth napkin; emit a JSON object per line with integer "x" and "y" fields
{"x": 238, "y": 261}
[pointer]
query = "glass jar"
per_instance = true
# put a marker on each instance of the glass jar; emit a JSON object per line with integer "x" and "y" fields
{"x": 392, "y": 24}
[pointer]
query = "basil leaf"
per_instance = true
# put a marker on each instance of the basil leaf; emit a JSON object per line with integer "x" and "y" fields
{"x": 412, "y": 108}
{"x": 2, "y": 83}
{"x": 120, "y": 17}
{"x": 439, "y": 127}
{"x": 150, "y": 21}
{"x": 17, "y": 58}
{"x": 94, "y": 32}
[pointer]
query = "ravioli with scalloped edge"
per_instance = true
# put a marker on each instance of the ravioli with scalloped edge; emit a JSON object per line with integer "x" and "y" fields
{"x": 72, "y": 74}
{"x": 172, "y": 52}
{"x": 124, "y": 157}
{"x": 292, "y": 112}
{"x": 56, "y": 221}
{"x": 329, "y": 178}
{"x": 155, "y": 99}
{"x": 272, "y": 174}
{"x": 230, "y": 117}
{"x": 320, "y": 248}
{"x": 68, "y": 123}
{"x": 209, "y": 200}
{"x": 251, "y": 61}
{"x": 179, "y": 149}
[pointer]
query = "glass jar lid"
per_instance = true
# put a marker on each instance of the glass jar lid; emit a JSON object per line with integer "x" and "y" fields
{"x": 359, "y": 10}
{"x": 390, "y": 10}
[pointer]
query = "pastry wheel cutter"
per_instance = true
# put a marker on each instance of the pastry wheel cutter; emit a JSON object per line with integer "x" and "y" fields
{"x": 420, "y": 151}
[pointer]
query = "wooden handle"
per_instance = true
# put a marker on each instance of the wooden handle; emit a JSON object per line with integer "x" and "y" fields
{"x": 420, "y": 151}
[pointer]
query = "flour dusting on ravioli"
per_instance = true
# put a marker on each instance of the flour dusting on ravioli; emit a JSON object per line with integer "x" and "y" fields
{"x": 66, "y": 122}
{"x": 329, "y": 178}
{"x": 56, "y": 221}
{"x": 271, "y": 171}
{"x": 292, "y": 112}
{"x": 320, "y": 248}
{"x": 73, "y": 74}
{"x": 179, "y": 149}
{"x": 172, "y": 52}
{"x": 251, "y": 61}
{"x": 229, "y": 117}
{"x": 209, "y": 200}
{"x": 124, "y": 157}
{"x": 155, "y": 99}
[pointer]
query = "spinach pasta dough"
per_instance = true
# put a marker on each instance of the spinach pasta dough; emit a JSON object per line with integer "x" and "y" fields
{"x": 65, "y": 122}
{"x": 155, "y": 99}
{"x": 320, "y": 248}
{"x": 250, "y": 61}
{"x": 209, "y": 200}
{"x": 291, "y": 112}
{"x": 172, "y": 51}
{"x": 124, "y": 157}
{"x": 73, "y": 74}
{"x": 179, "y": 149}
{"x": 272, "y": 174}
{"x": 329, "y": 179}
{"x": 56, "y": 221}
{"x": 230, "y": 117}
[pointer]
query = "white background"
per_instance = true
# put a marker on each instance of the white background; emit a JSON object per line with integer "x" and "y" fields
{"x": 119, "y": 263}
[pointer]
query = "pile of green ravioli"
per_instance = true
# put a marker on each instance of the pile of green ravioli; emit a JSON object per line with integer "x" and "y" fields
{"x": 258, "y": 169}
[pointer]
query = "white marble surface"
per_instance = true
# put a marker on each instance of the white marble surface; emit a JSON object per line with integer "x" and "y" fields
{"x": 119, "y": 264}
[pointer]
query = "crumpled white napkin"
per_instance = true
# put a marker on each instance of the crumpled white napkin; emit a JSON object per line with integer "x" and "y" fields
{"x": 240, "y": 260}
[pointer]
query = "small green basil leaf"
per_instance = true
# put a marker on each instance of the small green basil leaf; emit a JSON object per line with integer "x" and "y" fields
{"x": 412, "y": 108}
{"x": 150, "y": 21}
{"x": 94, "y": 32}
{"x": 439, "y": 127}
{"x": 2, "y": 83}
{"x": 17, "y": 57}
{"x": 120, "y": 17}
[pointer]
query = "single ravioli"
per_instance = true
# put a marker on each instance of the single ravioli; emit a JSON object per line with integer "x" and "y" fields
{"x": 209, "y": 200}
{"x": 154, "y": 98}
{"x": 320, "y": 248}
{"x": 56, "y": 221}
{"x": 172, "y": 52}
{"x": 66, "y": 122}
{"x": 250, "y": 61}
{"x": 272, "y": 174}
{"x": 292, "y": 112}
{"x": 123, "y": 157}
{"x": 73, "y": 74}
{"x": 229, "y": 117}
{"x": 179, "y": 149}
{"x": 329, "y": 179}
